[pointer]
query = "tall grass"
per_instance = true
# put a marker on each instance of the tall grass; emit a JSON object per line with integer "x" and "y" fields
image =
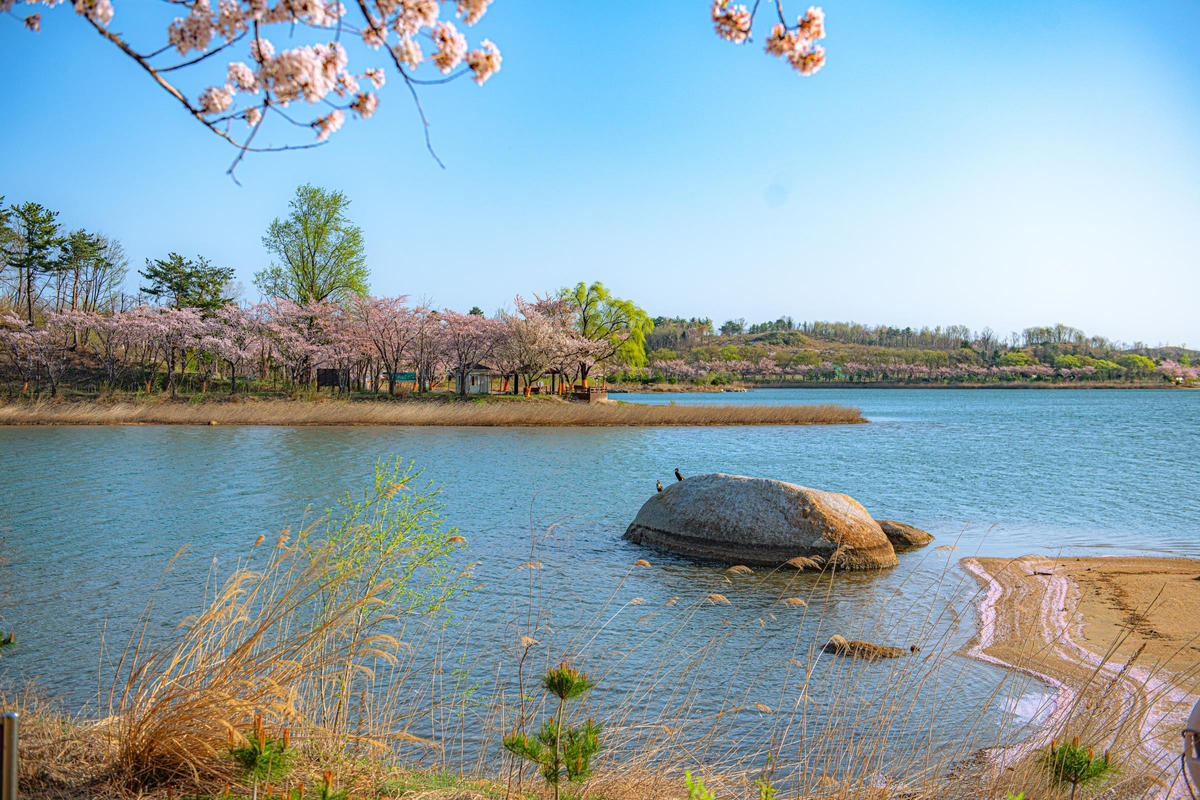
{"x": 538, "y": 413}
{"x": 297, "y": 635}
{"x": 342, "y": 635}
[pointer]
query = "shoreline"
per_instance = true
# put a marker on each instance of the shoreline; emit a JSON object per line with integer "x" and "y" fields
{"x": 540, "y": 413}
{"x": 897, "y": 385}
{"x": 1112, "y": 638}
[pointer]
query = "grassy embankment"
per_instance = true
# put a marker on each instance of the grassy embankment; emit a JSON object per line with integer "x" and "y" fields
{"x": 534, "y": 412}
{"x": 304, "y": 633}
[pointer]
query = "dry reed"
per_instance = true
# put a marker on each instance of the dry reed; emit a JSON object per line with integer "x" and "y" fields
{"x": 517, "y": 413}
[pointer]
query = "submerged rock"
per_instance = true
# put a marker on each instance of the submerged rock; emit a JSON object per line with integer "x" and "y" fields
{"x": 760, "y": 522}
{"x": 904, "y": 537}
{"x": 854, "y": 648}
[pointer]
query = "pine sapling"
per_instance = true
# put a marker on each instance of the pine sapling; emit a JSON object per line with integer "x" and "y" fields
{"x": 558, "y": 749}
{"x": 1075, "y": 765}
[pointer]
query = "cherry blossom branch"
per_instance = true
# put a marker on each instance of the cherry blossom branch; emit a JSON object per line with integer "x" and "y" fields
{"x": 195, "y": 112}
{"x": 314, "y": 72}
{"x": 796, "y": 44}
{"x": 198, "y": 59}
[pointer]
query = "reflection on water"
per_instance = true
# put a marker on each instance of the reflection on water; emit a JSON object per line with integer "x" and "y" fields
{"x": 92, "y": 515}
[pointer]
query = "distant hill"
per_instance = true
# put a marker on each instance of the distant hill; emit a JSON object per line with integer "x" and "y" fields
{"x": 690, "y": 350}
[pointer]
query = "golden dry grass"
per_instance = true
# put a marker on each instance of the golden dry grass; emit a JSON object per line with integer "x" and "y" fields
{"x": 536, "y": 413}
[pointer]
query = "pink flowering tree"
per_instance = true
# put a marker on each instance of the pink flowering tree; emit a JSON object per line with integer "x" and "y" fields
{"x": 154, "y": 336}
{"x": 296, "y": 339}
{"x": 529, "y": 341}
{"x": 235, "y": 335}
{"x": 39, "y": 353}
{"x": 257, "y": 80}
{"x": 179, "y": 330}
{"x": 389, "y": 328}
{"x": 344, "y": 347}
{"x": 107, "y": 337}
{"x": 429, "y": 347}
{"x": 467, "y": 340}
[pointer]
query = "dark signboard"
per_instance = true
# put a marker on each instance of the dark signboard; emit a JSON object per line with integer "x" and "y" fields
{"x": 338, "y": 378}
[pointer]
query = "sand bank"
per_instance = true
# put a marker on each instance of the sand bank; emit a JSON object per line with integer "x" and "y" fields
{"x": 1117, "y": 639}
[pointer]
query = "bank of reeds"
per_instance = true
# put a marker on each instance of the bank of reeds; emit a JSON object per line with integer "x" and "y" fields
{"x": 516, "y": 413}
{"x": 337, "y": 639}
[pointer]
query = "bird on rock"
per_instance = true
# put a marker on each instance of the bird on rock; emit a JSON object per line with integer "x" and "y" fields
{"x": 659, "y": 485}
{"x": 678, "y": 474}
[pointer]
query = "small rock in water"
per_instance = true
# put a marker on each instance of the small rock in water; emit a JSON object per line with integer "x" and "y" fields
{"x": 902, "y": 536}
{"x": 853, "y": 648}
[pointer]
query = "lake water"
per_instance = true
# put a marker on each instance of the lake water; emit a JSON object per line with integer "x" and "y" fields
{"x": 90, "y": 516}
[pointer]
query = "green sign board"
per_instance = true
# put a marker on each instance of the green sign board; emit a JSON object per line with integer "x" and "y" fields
{"x": 404, "y": 376}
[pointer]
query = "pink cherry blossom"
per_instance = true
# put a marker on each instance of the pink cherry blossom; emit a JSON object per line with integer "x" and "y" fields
{"x": 194, "y": 31}
{"x": 782, "y": 41}
{"x": 471, "y": 11}
{"x": 451, "y": 46}
{"x": 411, "y": 15}
{"x": 731, "y": 22}
{"x": 374, "y": 34}
{"x": 98, "y": 11}
{"x": 261, "y": 50}
{"x": 231, "y": 19}
{"x": 329, "y": 124}
{"x": 365, "y": 104}
{"x": 484, "y": 62}
{"x": 346, "y": 84}
{"x": 812, "y": 24}
{"x": 408, "y": 51}
{"x": 808, "y": 62}
{"x": 215, "y": 100}
{"x": 377, "y": 77}
{"x": 243, "y": 78}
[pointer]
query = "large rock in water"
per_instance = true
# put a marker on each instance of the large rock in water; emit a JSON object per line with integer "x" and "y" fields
{"x": 903, "y": 536}
{"x": 760, "y": 522}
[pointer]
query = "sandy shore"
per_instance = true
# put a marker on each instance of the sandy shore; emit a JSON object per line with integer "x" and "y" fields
{"x": 1117, "y": 640}
{"x": 516, "y": 413}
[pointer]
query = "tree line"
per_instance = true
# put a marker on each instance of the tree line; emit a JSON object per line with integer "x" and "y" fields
{"x": 64, "y": 316}
{"x": 185, "y": 323}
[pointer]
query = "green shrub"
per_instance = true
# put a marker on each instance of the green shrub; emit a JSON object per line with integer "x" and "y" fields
{"x": 1016, "y": 358}
{"x": 695, "y": 788}
{"x": 1137, "y": 365}
{"x": 1075, "y": 765}
{"x": 1067, "y": 362}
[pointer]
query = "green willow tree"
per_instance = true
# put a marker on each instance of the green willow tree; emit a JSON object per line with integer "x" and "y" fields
{"x": 620, "y": 326}
{"x": 320, "y": 252}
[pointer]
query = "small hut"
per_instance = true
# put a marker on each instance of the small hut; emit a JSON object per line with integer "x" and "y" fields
{"x": 478, "y": 380}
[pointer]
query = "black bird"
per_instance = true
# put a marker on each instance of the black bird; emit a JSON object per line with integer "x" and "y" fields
{"x": 678, "y": 474}
{"x": 659, "y": 485}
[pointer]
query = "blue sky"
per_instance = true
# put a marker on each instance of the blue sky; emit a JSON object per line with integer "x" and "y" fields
{"x": 999, "y": 164}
